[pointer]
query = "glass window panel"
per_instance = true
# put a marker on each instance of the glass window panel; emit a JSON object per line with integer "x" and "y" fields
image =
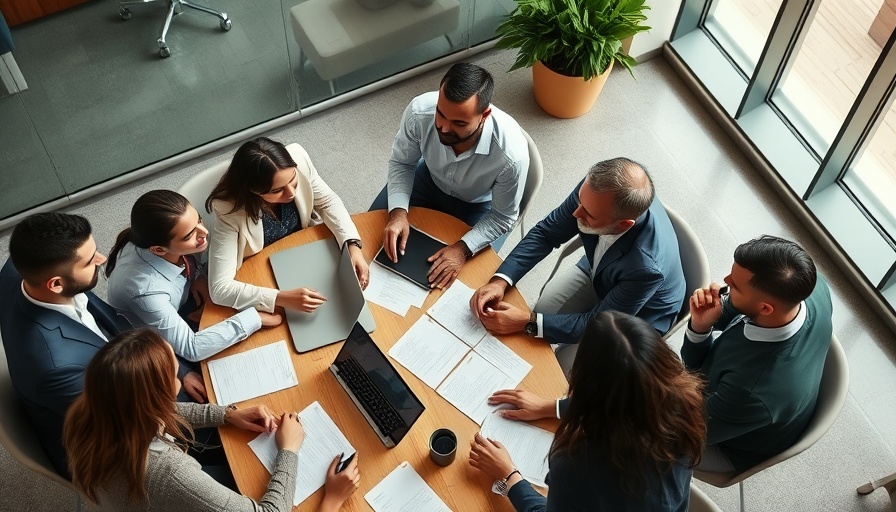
{"x": 741, "y": 27}
{"x": 829, "y": 69}
{"x": 873, "y": 177}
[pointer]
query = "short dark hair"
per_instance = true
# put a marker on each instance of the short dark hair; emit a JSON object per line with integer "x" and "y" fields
{"x": 251, "y": 173}
{"x": 44, "y": 241}
{"x": 154, "y": 216}
{"x": 780, "y": 268}
{"x": 463, "y": 80}
{"x": 628, "y": 181}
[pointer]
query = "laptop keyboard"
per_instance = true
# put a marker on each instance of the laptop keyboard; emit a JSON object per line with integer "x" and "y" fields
{"x": 378, "y": 407}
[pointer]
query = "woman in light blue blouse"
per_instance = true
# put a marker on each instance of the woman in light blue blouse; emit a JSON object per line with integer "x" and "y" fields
{"x": 156, "y": 279}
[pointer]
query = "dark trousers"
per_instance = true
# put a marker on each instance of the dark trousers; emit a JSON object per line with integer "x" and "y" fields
{"x": 426, "y": 194}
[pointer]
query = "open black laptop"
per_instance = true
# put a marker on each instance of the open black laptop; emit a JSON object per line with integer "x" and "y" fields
{"x": 378, "y": 391}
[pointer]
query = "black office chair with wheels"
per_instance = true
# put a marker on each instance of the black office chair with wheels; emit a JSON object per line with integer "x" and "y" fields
{"x": 174, "y": 7}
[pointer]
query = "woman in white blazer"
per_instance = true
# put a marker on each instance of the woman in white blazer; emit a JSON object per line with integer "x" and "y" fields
{"x": 268, "y": 192}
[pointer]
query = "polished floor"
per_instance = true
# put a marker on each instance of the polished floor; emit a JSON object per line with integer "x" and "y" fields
{"x": 698, "y": 171}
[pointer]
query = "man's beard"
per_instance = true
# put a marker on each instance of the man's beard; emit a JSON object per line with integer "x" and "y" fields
{"x": 451, "y": 139}
{"x": 606, "y": 230}
{"x": 71, "y": 288}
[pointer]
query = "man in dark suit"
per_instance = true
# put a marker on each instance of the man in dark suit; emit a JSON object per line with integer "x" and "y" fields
{"x": 51, "y": 324}
{"x": 631, "y": 262}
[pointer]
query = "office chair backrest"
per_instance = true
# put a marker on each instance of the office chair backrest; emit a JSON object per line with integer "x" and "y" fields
{"x": 694, "y": 263}
{"x": 199, "y": 186}
{"x": 17, "y": 435}
{"x": 700, "y": 502}
{"x": 533, "y": 178}
{"x": 831, "y": 397}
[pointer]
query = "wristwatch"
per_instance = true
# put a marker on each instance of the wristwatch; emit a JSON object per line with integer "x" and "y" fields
{"x": 531, "y": 327}
{"x": 500, "y": 486}
{"x": 228, "y": 409}
{"x": 355, "y": 242}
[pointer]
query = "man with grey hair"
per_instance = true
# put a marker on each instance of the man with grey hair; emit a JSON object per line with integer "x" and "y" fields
{"x": 631, "y": 262}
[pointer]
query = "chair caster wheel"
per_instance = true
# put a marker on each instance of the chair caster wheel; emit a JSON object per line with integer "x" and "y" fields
{"x": 226, "y": 24}
{"x": 124, "y": 13}
{"x": 164, "y": 52}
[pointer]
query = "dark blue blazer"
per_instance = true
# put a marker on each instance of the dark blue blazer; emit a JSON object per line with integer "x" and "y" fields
{"x": 640, "y": 274}
{"x": 47, "y": 353}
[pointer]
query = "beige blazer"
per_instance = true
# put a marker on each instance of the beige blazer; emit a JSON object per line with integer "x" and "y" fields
{"x": 236, "y": 237}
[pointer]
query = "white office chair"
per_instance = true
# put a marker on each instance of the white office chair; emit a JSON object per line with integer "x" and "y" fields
{"x": 18, "y": 437}
{"x": 694, "y": 262}
{"x": 700, "y": 502}
{"x": 831, "y": 396}
{"x": 533, "y": 182}
{"x": 199, "y": 186}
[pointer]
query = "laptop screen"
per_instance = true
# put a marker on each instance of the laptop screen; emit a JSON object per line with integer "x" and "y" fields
{"x": 360, "y": 347}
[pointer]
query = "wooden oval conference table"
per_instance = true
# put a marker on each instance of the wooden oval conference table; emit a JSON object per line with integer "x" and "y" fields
{"x": 460, "y": 486}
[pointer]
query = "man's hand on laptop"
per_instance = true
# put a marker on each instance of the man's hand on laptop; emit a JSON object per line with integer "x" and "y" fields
{"x": 446, "y": 264}
{"x": 395, "y": 236}
{"x": 527, "y": 405}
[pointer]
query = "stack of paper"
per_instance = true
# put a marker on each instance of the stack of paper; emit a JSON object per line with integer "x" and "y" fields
{"x": 323, "y": 442}
{"x": 393, "y": 292}
{"x": 252, "y": 373}
{"x": 432, "y": 350}
{"x": 527, "y": 445}
{"x": 403, "y": 490}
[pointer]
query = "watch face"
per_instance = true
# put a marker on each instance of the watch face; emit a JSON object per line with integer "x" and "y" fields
{"x": 531, "y": 328}
{"x": 500, "y": 487}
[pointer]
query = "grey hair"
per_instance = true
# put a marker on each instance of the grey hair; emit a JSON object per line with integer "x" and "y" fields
{"x": 628, "y": 181}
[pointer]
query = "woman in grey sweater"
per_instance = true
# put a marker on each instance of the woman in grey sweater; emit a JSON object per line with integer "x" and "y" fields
{"x": 125, "y": 437}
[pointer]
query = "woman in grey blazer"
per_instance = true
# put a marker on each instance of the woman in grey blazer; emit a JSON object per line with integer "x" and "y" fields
{"x": 125, "y": 437}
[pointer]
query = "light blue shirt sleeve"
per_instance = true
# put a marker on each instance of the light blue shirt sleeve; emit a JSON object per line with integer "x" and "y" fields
{"x": 406, "y": 152}
{"x": 156, "y": 311}
{"x": 507, "y": 193}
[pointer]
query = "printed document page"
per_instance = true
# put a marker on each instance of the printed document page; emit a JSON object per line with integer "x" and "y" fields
{"x": 503, "y": 358}
{"x": 527, "y": 445}
{"x": 393, "y": 292}
{"x": 471, "y": 383}
{"x": 323, "y": 442}
{"x": 403, "y": 490}
{"x": 452, "y": 310}
{"x": 428, "y": 351}
{"x": 253, "y": 373}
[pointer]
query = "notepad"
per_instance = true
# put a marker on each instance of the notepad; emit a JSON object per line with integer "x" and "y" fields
{"x": 403, "y": 490}
{"x": 252, "y": 373}
{"x": 527, "y": 445}
{"x": 323, "y": 442}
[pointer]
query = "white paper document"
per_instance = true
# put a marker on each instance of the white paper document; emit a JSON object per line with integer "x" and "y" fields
{"x": 527, "y": 445}
{"x": 428, "y": 351}
{"x": 323, "y": 442}
{"x": 452, "y": 310}
{"x": 392, "y": 291}
{"x": 503, "y": 358}
{"x": 253, "y": 373}
{"x": 403, "y": 490}
{"x": 471, "y": 383}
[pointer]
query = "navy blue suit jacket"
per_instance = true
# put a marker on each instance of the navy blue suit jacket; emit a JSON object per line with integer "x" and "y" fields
{"x": 47, "y": 353}
{"x": 640, "y": 274}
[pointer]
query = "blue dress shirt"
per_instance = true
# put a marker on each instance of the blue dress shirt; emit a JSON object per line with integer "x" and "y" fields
{"x": 493, "y": 170}
{"x": 148, "y": 291}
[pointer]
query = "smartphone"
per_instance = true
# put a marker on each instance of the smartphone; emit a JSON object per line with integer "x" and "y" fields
{"x": 344, "y": 464}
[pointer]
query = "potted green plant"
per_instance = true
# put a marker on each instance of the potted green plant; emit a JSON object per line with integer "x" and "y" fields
{"x": 571, "y": 44}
